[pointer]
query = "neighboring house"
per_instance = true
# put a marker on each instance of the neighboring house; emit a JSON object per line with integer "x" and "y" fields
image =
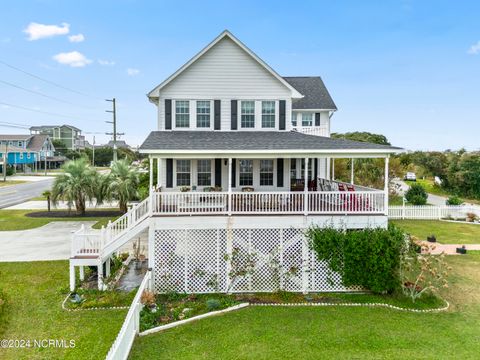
{"x": 243, "y": 162}
{"x": 121, "y": 144}
{"x": 71, "y": 136}
{"x": 27, "y": 149}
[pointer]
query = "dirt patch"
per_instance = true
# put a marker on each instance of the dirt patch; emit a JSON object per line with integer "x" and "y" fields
{"x": 72, "y": 214}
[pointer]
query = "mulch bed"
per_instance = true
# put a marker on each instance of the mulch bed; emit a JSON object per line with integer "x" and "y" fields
{"x": 72, "y": 214}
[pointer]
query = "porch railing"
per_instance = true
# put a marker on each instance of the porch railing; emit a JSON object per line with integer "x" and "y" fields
{"x": 312, "y": 130}
{"x": 329, "y": 202}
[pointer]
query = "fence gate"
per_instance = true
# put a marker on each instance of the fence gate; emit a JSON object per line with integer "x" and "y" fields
{"x": 239, "y": 260}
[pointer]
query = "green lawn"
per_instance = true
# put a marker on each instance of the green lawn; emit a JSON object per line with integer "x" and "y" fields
{"x": 16, "y": 220}
{"x": 33, "y": 311}
{"x": 395, "y": 200}
{"x": 333, "y": 333}
{"x": 445, "y": 232}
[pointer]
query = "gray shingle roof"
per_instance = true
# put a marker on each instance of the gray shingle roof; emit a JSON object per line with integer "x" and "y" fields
{"x": 36, "y": 142}
{"x": 315, "y": 93}
{"x": 20, "y": 137}
{"x": 251, "y": 140}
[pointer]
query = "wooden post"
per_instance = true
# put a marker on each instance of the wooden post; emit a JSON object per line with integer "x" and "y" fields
{"x": 333, "y": 168}
{"x": 100, "y": 274}
{"x": 352, "y": 171}
{"x": 107, "y": 268}
{"x": 386, "y": 184}
{"x": 159, "y": 167}
{"x": 305, "y": 188}
{"x": 230, "y": 161}
{"x": 82, "y": 273}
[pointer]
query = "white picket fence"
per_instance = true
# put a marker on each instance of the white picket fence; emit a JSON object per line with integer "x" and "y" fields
{"x": 131, "y": 326}
{"x": 430, "y": 212}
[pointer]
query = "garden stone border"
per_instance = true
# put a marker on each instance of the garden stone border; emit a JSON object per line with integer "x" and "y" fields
{"x": 389, "y": 306}
{"x": 194, "y": 318}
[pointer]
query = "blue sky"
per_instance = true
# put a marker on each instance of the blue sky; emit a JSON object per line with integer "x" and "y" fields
{"x": 406, "y": 69}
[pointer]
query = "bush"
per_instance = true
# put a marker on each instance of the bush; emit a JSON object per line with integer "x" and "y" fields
{"x": 416, "y": 195}
{"x": 454, "y": 200}
{"x": 369, "y": 258}
{"x": 213, "y": 304}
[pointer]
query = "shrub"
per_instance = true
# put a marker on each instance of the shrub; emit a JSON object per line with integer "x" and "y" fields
{"x": 416, "y": 195}
{"x": 369, "y": 258}
{"x": 454, "y": 200}
{"x": 213, "y": 304}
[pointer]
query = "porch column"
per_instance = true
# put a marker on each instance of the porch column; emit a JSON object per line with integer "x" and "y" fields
{"x": 305, "y": 188}
{"x": 150, "y": 183}
{"x": 72, "y": 277}
{"x": 333, "y": 168}
{"x": 387, "y": 159}
{"x": 352, "y": 170}
{"x": 229, "y": 186}
{"x": 159, "y": 166}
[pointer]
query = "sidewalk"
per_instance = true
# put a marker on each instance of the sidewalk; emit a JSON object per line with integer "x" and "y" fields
{"x": 450, "y": 249}
{"x": 62, "y": 205}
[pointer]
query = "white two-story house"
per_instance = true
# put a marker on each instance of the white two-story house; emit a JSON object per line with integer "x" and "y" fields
{"x": 243, "y": 160}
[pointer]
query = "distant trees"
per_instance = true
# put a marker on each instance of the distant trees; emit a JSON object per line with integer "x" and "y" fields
{"x": 362, "y": 136}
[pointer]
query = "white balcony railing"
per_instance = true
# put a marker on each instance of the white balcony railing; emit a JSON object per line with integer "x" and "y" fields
{"x": 312, "y": 130}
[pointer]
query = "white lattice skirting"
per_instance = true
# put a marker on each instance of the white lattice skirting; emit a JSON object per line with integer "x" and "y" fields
{"x": 199, "y": 261}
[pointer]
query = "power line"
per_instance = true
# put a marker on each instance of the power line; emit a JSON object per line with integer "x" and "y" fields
{"x": 44, "y": 95}
{"x": 40, "y": 111}
{"x": 48, "y": 81}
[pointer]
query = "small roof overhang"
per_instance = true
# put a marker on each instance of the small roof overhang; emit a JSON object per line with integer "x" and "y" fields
{"x": 257, "y": 144}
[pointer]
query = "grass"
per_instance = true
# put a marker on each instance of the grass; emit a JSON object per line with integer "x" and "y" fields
{"x": 394, "y": 200}
{"x": 16, "y": 220}
{"x": 445, "y": 232}
{"x": 33, "y": 311}
{"x": 11, "y": 182}
{"x": 333, "y": 332}
{"x": 96, "y": 298}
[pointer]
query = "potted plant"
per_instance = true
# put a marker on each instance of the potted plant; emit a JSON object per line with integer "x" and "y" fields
{"x": 461, "y": 250}
{"x": 431, "y": 238}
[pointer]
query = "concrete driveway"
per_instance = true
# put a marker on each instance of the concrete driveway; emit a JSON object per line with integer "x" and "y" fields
{"x": 49, "y": 242}
{"x": 436, "y": 200}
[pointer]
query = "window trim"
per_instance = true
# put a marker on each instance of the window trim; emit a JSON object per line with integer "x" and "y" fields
{"x": 240, "y": 172}
{"x": 204, "y": 172}
{"x": 253, "y": 114}
{"x": 209, "y": 102}
{"x": 183, "y": 172}
{"x": 260, "y": 173}
{"x": 303, "y": 120}
{"x": 187, "y": 113}
{"x": 274, "y": 114}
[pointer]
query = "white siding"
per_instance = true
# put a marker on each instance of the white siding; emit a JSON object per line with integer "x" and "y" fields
{"x": 225, "y": 72}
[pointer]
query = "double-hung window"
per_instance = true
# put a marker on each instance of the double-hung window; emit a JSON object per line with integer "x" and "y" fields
{"x": 268, "y": 114}
{"x": 294, "y": 119}
{"x": 182, "y": 114}
{"x": 183, "y": 172}
{"x": 307, "y": 119}
{"x": 247, "y": 111}
{"x": 293, "y": 168}
{"x": 309, "y": 170}
{"x": 246, "y": 172}
{"x": 266, "y": 172}
{"x": 203, "y": 114}
{"x": 204, "y": 172}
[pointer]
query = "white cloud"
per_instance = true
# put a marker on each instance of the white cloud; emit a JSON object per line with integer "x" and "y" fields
{"x": 76, "y": 38}
{"x": 37, "y": 31}
{"x": 73, "y": 59}
{"x": 132, "y": 72}
{"x": 474, "y": 49}
{"x": 106, "y": 62}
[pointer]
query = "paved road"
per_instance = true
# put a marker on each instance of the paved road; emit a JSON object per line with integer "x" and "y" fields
{"x": 16, "y": 194}
{"x": 432, "y": 199}
{"x": 49, "y": 242}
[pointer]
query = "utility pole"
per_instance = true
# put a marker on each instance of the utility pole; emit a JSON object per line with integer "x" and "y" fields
{"x": 114, "y": 122}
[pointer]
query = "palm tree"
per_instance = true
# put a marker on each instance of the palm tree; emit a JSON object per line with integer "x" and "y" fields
{"x": 47, "y": 194}
{"x": 77, "y": 184}
{"x": 122, "y": 184}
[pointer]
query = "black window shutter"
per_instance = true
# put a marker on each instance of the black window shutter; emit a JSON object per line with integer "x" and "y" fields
{"x": 234, "y": 173}
{"x": 169, "y": 173}
{"x": 315, "y": 168}
{"x": 317, "y": 119}
{"x": 233, "y": 113}
{"x": 216, "y": 114}
{"x": 282, "y": 122}
{"x": 168, "y": 114}
{"x": 279, "y": 172}
{"x": 218, "y": 171}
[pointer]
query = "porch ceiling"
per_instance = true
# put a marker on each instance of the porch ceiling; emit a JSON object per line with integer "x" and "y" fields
{"x": 261, "y": 144}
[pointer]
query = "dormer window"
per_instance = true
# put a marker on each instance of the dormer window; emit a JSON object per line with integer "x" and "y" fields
{"x": 307, "y": 119}
{"x": 294, "y": 119}
{"x": 247, "y": 114}
{"x": 182, "y": 114}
